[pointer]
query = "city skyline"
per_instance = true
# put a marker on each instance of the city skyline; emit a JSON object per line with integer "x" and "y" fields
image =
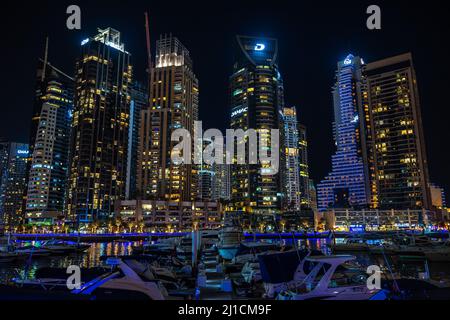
{"x": 319, "y": 128}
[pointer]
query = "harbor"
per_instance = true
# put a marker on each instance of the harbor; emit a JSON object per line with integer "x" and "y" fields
{"x": 226, "y": 264}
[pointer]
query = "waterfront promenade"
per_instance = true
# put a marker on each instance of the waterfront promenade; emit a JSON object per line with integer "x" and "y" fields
{"x": 107, "y": 237}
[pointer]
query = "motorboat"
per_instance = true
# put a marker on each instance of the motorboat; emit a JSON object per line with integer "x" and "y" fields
{"x": 7, "y": 257}
{"x": 251, "y": 272}
{"x": 439, "y": 254}
{"x": 33, "y": 251}
{"x": 8, "y": 251}
{"x": 162, "y": 247}
{"x": 209, "y": 237}
{"x": 350, "y": 244}
{"x": 230, "y": 237}
{"x": 120, "y": 282}
{"x": 249, "y": 251}
{"x": 168, "y": 278}
{"x": 64, "y": 247}
{"x": 329, "y": 279}
{"x": 284, "y": 270}
{"x": 414, "y": 245}
{"x": 384, "y": 247}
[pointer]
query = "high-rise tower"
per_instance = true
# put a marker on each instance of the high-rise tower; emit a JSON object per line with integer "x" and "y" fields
{"x": 49, "y": 148}
{"x": 139, "y": 102}
{"x": 305, "y": 194}
{"x": 173, "y": 105}
{"x": 256, "y": 98}
{"x": 291, "y": 159}
{"x": 398, "y": 159}
{"x": 347, "y": 185}
{"x": 100, "y": 127}
{"x": 13, "y": 166}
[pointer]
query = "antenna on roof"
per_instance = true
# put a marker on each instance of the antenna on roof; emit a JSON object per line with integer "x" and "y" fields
{"x": 45, "y": 59}
{"x": 147, "y": 34}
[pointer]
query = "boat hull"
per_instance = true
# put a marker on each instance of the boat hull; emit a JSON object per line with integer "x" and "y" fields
{"x": 229, "y": 252}
{"x": 438, "y": 256}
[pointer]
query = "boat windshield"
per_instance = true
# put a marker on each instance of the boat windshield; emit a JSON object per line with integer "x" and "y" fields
{"x": 346, "y": 278}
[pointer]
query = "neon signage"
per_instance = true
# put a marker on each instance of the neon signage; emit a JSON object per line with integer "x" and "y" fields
{"x": 260, "y": 47}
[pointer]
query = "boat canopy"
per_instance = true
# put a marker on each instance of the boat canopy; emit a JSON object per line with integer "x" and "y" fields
{"x": 281, "y": 267}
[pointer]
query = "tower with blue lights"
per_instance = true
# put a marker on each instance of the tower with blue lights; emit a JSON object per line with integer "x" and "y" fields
{"x": 347, "y": 185}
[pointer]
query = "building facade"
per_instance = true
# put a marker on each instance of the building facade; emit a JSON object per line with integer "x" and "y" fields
{"x": 221, "y": 182}
{"x": 50, "y": 138}
{"x": 376, "y": 220}
{"x": 305, "y": 195}
{"x": 256, "y": 98}
{"x": 437, "y": 195}
{"x": 174, "y": 95}
{"x": 167, "y": 216}
{"x": 291, "y": 160}
{"x": 100, "y": 128}
{"x": 347, "y": 185}
{"x": 398, "y": 158}
{"x": 139, "y": 102}
{"x": 13, "y": 166}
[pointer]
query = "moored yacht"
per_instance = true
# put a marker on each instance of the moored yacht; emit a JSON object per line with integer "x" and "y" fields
{"x": 329, "y": 279}
{"x": 64, "y": 247}
{"x": 249, "y": 251}
{"x": 284, "y": 270}
{"x": 230, "y": 237}
{"x": 350, "y": 244}
{"x": 8, "y": 252}
{"x": 33, "y": 251}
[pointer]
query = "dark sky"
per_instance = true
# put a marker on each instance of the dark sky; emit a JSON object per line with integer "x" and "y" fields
{"x": 313, "y": 36}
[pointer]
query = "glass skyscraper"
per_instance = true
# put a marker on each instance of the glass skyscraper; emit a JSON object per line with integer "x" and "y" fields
{"x": 291, "y": 160}
{"x": 257, "y": 97}
{"x": 50, "y": 137}
{"x": 100, "y": 127}
{"x": 174, "y": 94}
{"x": 139, "y": 102}
{"x": 347, "y": 185}
{"x": 13, "y": 166}
{"x": 398, "y": 159}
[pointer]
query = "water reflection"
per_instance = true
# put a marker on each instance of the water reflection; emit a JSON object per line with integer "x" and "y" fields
{"x": 92, "y": 258}
{"x": 28, "y": 268}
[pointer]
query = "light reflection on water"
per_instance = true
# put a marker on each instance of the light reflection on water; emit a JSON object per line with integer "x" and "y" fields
{"x": 86, "y": 260}
{"x": 92, "y": 259}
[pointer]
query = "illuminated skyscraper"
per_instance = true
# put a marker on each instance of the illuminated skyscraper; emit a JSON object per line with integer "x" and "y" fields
{"x": 221, "y": 182}
{"x": 291, "y": 159}
{"x": 305, "y": 195}
{"x": 347, "y": 185}
{"x": 13, "y": 166}
{"x": 139, "y": 102}
{"x": 173, "y": 105}
{"x": 256, "y": 91}
{"x": 205, "y": 177}
{"x": 398, "y": 159}
{"x": 100, "y": 127}
{"x": 50, "y": 136}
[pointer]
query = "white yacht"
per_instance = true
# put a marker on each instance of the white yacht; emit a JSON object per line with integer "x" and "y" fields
{"x": 329, "y": 280}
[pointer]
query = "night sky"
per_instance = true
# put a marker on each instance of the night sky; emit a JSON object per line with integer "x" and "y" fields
{"x": 313, "y": 36}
